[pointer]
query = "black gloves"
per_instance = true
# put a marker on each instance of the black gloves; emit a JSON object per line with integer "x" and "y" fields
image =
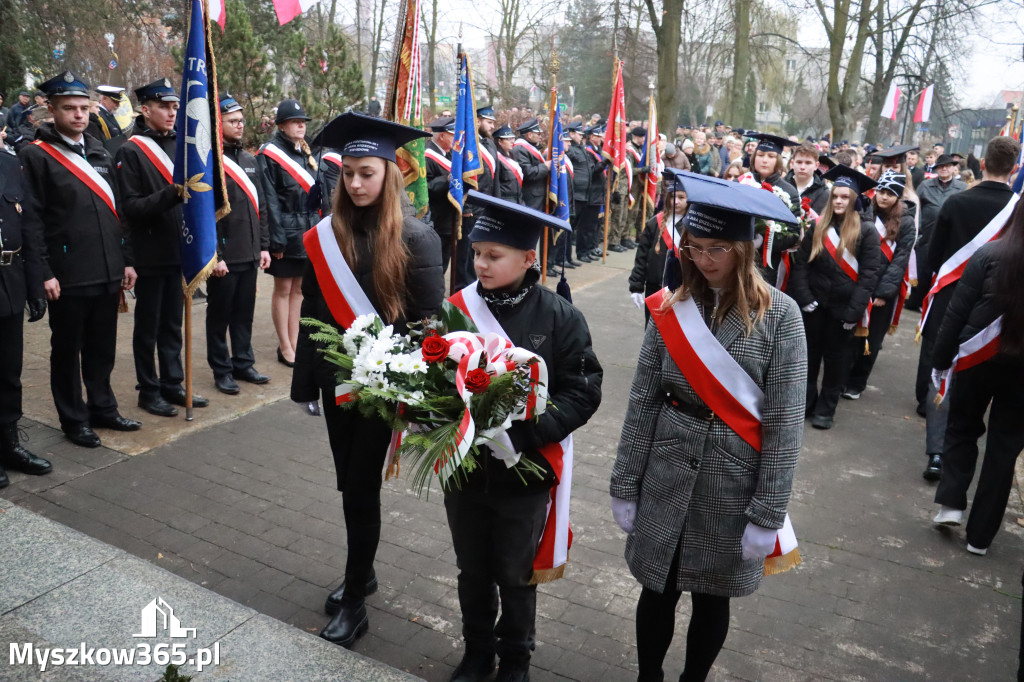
{"x": 36, "y": 309}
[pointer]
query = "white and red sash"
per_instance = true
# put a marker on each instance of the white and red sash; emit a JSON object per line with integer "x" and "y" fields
{"x": 888, "y": 245}
{"x": 486, "y": 157}
{"x": 848, "y": 263}
{"x": 345, "y": 298}
{"x": 568, "y": 166}
{"x": 951, "y": 271}
{"x": 156, "y": 155}
{"x": 889, "y": 251}
{"x": 523, "y": 144}
{"x": 237, "y": 173}
{"x": 439, "y": 159}
{"x": 980, "y": 348}
{"x": 298, "y": 173}
{"x": 513, "y": 166}
{"x": 333, "y": 157}
{"x": 596, "y": 154}
{"x": 83, "y": 170}
{"x": 669, "y": 232}
{"x": 724, "y": 386}
{"x": 553, "y": 549}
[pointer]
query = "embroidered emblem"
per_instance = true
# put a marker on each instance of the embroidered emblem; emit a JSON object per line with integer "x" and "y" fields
{"x": 537, "y": 340}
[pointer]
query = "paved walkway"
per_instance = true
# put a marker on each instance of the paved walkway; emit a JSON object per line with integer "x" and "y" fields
{"x": 246, "y": 508}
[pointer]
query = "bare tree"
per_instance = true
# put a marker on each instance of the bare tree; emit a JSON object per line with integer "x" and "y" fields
{"x": 667, "y": 24}
{"x": 514, "y": 39}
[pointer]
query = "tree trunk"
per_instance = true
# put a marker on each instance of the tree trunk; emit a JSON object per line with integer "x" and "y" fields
{"x": 374, "y": 60}
{"x": 879, "y": 87}
{"x": 359, "y": 35}
{"x": 738, "y": 114}
{"x": 667, "y": 25}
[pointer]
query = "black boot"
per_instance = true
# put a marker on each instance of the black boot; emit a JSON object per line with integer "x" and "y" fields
{"x": 4, "y": 481}
{"x": 335, "y": 598}
{"x": 933, "y": 471}
{"x": 13, "y": 456}
{"x": 513, "y": 670}
{"x": 348, "y": 624}
{"x": 476, "y": 665}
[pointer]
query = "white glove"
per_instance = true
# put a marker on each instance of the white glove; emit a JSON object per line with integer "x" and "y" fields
{"x": 758, "y": 542}
{"x": 937, "y": 375}
{"x": 624, "y": 512}
{"x": 500, "y": 444}
{"x": 638, "y": 300}
{"x": 810, "y": 307}
{"x": 849, "y": 325}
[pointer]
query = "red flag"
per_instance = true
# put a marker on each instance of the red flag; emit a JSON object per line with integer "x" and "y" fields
{"x": 924, "y": 105}
{"x": 615, "y": 137}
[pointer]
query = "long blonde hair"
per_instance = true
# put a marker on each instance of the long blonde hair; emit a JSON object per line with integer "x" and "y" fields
{"x": 750, "y": 294}
{"x": 849, "y": 230}
{"x": 390, "y": 255}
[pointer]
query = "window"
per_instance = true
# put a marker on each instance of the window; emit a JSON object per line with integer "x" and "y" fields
{"x": 790, "y": 65}
{"x": 762, "y": 107}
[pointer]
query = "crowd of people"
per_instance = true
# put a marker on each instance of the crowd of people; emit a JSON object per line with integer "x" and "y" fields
{"x": 750, "y": 297}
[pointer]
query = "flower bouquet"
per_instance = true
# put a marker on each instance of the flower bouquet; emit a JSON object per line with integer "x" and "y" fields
{"x": 767, "y": 230}
{"x": 445, "y": 390}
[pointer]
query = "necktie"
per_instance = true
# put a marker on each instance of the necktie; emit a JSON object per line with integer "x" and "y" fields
{"x": 79, "y": 149}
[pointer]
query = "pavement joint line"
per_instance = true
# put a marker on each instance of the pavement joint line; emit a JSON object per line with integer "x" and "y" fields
{"x": 57, "y": 587}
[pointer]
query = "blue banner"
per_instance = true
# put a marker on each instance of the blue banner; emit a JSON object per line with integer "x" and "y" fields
{"x": 558, "y": 178}
{"x": 197, "y": 157}
{"x": 1018, "y": 182}
{"x": 465, "y": 157}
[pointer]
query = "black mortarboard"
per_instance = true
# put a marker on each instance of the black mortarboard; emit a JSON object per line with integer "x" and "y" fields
{"x": 443, "y": 124}
{"x": 766, "y": 142}
{"x": 229, "y": 105}
{"x": 844, "y": 176}
{"x": 945, "y": 160}
{"x": 893, "y": 182}
{"x": 508, "y": 223}
{"x": 485, "y": 112}
{"x": 530, "y": 126}
{"x": 358, "y": 135}
{"x": 290, "y": 110}
{"x": 504, "y": 133}
{"x": 719, "y": 209}
{"x": 65, "y": 83}
{"x": 825, "y": 160}
{"x": 159, "y": 90}
{"x": 897, "y": 153}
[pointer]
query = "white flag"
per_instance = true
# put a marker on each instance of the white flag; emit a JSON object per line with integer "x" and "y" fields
{"x": 892, "y": 102}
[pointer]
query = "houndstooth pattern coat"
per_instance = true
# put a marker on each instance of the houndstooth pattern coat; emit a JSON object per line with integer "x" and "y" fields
{"x": 696, "y": 482}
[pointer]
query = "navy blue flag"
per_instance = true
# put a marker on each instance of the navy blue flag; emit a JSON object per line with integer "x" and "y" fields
{"x": 558, "y": 178}
{"x": 197, "y": 161}
{"x": 1018, "y": 182}
{"x": 465, "y": 155}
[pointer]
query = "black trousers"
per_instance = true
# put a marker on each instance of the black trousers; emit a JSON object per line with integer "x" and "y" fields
{"x": 359, "y": 447}
{"x": 495, "y": 536}
{"x": 586, "y": 228}
{"x": 861, "y": 365}
{"x": 230, "y": 305}
{"x": 464, "y": 273}
{"x": 83, "y": 343}
{"x": 559, "y": 246}
{"x": 12, "y": 342}
{"x": 446, "y": 249}
{"x": 828, "y": 343}
{"x": 970, "y": 395}
{"x": 159, "y": 301}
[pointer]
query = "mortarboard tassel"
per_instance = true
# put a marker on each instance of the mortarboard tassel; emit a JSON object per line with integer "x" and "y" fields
{"x": 673, "y": 271}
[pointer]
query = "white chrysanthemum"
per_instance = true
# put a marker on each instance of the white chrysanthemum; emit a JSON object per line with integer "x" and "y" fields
{"x": 362, "y": 322}
{"x": 361, "y": 376}
{"x": 379, "y": 382}
{"x": 377, "y": 360}
{"x": 417, "y": 365}
{"x": 399, "y": 363}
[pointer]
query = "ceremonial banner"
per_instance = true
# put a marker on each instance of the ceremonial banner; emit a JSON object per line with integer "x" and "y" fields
{"x": 287, "y": 10}
{"x": 615, "y": 136}
{"x": 197, "y": 162}
{"x": 652, "y": 156}
{"x": 924, "y": 105}
{"x": 558, "y": 178}
{"x": 465, "y": 155}
{"x": 402, "y": 103}
{"x": 892, "y": 102}
{"x": 218, "y": 13}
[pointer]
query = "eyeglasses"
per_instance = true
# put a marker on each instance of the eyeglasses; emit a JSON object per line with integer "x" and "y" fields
{"x": 236, "y": 122}
{"x": 714, "y": 254}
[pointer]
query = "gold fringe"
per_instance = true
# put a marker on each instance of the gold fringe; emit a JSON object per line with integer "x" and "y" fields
{"x": 917, "y": 338}
{"x": 867, "y": 347}
{"x": 861, "y": 332}
{"x": 394, "y": 468}
{"x": 202, "y": 276}
{"x": 937, "y": 399}
{"x": 893, "y": 328}
{"x": 122, "y": 305}
{"x": 781, "y": 564}
{"x": 547, "y": 575}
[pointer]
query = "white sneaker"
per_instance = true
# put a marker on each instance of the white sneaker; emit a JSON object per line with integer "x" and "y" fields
{"x": 977, "y": 550}
{"x": 850, "y": 395}
{"x": 948, "y": 516}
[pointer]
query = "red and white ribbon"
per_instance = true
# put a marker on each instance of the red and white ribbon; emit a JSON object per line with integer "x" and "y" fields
{"x": 888, "y": 245}
{"x": 333, "y": 157}
{"x": 345, "y": 298}
{"x": 848, "y": 263}
{"x": 439, "y": 159}
{"x": 530, "y": 149}
{"x": 83, "y": 170}
{"x": 980, "y": 348}
{"x": 513, "y": 166}
{"x": 298, "y": 173}
{"x": 237, "y": 173}
{"x": 156, "y": 155}
{"x": 486, "y": 157}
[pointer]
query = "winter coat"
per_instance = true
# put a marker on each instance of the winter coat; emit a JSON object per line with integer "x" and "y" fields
{"x": 588, "y": 177}
{"x": 649, "y": 262}
{"x": 442, "y": 211}
{"x": 708, "y": 163}
{"x": 535, "y": 175}
{"x": 243, "y": 232}
{"x": 818, "y": 191}
{"x": 105, "y": 128}
{"x": 892, "y": 273}
{"x": 507, "y": 184}
{"x": 933, "y": 194}
{"x": 822, "y": 279}
{"x": 696, "y": 482}
{"x": 22, "y": 277}
{"x": 288, "y": 217}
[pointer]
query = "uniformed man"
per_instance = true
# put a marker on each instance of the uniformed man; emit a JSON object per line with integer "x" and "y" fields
{"x": 72, "y": 204}
{"x": 595, "y": 144}
{"x": 103, "y": 124}
{"x": 439, "y": 170}
{"x": 243, "y": 248}
{"x": 626, "y": 196}
{"x": 21, "y": 280}
{"x": 151, "y": 210}
{"x": 588, "y": 192}
{"x": 508, "y": 173}
{"x": 535, "y": 169}
{"x": 18, "y": 110}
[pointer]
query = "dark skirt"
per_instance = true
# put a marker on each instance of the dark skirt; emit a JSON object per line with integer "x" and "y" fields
{"x": 287, "y": 267}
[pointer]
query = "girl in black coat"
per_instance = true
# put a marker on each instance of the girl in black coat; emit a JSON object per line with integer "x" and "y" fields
{"x": 989, "y": 289}
{"x": 649, "y": 263}
{"x": 397, "y": 262}
{"x": 894, "y": 222}
{"x": 834, "y": 276}
{"x": 767, "y": 167}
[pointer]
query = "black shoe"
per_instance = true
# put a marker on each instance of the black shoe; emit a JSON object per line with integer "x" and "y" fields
{"x": 569, "y": 264}
{"x": 475, "y": 666}
{"x": 82, "y": 436}
{"x": 618, "y": 248}
{"x": 822, "y": 422}
{"x": 4, "y": 481}
{"x": 921, "y": 411}
{"x": 629, "y": 243}
{"x": 176, "y": 396}
{"x": 282, "y": 360}
{"x": 933, "y": 471}
{"x": 155, "y": 404}
{"x": 334, "y": 599}
{"x": 14, "y": 456}
{"x": 553, "y": 273}
{"x": 573, "y": 263}
{"x": 226, "y": 384}
{"x": 348, "y": 624}
{"x": 115, "y": 423}
{"x": 585, "y": 258}
{"x": 513, "y": 671}
{"x": 251, "y": 375}
{"x": 598, "y": 253}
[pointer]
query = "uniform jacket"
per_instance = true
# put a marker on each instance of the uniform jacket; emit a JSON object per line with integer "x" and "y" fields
{"x": 507, "y": 186}
{"x": 442, "y": 211}
{"x": 817, "y": 191}
{"x": 105, "y": 128}
{"x": 892, "y": 274}
{"x": 822, "y": 279}
{"x": 330, "y": 173}
{"x": 150, "y": 206}
{"x": 485, "y": 180}
{"x": 82, "y": 240}
{"x": 23, "y": 278}
{"x": 243, "y": 232}
{"x": 695, "y": 480}
{"x": 535, "y": 177}
{"x": 287, "y": 215}
{"x": 424, "y": 293}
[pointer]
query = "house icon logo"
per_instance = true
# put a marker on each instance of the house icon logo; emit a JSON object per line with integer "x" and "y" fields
{"x": 158, "y": 617}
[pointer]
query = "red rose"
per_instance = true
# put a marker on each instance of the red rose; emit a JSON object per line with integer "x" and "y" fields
{"x": 435, "y": 348}
{"x": 766, "y": 186}
{"x": 806, "y": 203}
{"x": 477, "y": 381}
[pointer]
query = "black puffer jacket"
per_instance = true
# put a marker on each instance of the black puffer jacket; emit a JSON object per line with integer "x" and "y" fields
{"x": 822, "y": 279}
{"x": 424, "y": 287}
{"x": 546, "y": 324}
{"x": 817, "y": 191}
{"x": 891, "y": 274}
{"x": 649, "y": 263}
{"x": 972, "y": 308}
{"x": 287, "y": 215}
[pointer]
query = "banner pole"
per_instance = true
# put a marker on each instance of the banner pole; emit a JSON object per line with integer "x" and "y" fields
{"x": 188, "y": 357}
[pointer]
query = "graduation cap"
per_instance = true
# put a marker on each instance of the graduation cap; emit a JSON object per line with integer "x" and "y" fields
{"x": 766, "y": 142}
{"x": 719, "y": 209}
{"x": 892, "y": 181}
{"x": 897, "y": 154}
{"x": 486, "y": 112}
{"x": 359, "y": 135}
{"x": 844, "y": 176}
{"x": 530, "y": 126}
{"x": 228, "y": 104}
{"x": 826, "y": 160}
{"x": 159, "y": 90}
{"x": 504, "y": 133}
{"x": 65, "y": 83}
{"x": 290, "y": 110}
{"x": 510, "y": 224}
